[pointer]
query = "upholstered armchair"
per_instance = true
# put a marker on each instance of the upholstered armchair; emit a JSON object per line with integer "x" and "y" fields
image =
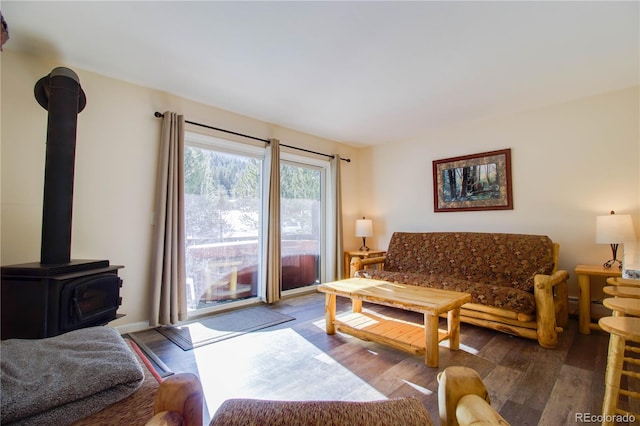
{"x": 462, "y": 398}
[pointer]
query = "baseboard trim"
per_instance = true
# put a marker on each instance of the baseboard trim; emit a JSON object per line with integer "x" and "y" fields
{"x": 133, "y": 328}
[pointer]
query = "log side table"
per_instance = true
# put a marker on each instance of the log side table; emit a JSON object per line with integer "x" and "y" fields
{"x": 362, "y": 255}
{"x": 584, "y": 273}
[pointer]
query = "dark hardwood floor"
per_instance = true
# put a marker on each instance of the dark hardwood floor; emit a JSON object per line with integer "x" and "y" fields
{"x": 297, "y": 360}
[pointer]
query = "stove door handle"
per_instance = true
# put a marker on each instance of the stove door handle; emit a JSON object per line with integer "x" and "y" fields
{"x": 78, "y": 310}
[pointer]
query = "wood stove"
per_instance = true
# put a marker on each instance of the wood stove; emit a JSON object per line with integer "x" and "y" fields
{"x": 44, "y": 301}
{"x": 56, "y": 295}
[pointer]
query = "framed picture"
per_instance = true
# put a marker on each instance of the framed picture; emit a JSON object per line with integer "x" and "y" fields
{"x": 473, "y": 182}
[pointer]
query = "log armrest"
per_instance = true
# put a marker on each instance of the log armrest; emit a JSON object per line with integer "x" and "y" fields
{"x": 179, "y": 402}
{"x": 463, "y": 399}
{"x": 358, "y": 264}
{"x": 552, "y": 310}
{"x": 473, "y": 410}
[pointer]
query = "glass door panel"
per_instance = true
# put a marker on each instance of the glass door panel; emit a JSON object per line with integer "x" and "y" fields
{"x": 223, "y": 216}
{"x": 301, "y": 224}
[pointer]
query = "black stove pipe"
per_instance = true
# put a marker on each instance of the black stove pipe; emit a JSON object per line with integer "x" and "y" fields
{"x": 60, "y": 94}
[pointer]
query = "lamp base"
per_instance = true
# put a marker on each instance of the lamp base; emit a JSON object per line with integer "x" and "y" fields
{"x": 609, "y": 263}
{"x": 614, "y": 252}
{"x": 364, "y": 245}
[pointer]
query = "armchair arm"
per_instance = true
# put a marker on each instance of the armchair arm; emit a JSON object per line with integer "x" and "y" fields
{"x": 358, "y": 264}
{"x": 473, "y": 410}
{"x": 179, "y": 401}
{"x": 463, "y": 399}
{"x": 543, "y": 290}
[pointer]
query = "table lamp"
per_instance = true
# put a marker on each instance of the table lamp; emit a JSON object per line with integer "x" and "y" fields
{"x": 613, "y": 230}
{"x": 364, "y": 229}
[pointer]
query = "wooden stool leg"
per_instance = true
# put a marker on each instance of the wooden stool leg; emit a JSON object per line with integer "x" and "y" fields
{"x": 615, "y": 360}
{"x": 633, "y": 369}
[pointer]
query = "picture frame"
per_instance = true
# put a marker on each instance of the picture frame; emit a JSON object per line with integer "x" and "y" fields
{"x": 473, "y": 182}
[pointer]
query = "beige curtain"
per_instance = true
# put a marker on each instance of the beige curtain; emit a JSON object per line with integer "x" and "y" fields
{"x": 271, "y": 246}
{"x": 168, "y": 275}
{"x": 334, "y": 240}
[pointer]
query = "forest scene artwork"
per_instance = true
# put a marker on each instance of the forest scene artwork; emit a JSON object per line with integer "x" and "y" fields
{"x": 473, "y": 182}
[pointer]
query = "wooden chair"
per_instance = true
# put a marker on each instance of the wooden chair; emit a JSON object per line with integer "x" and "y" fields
{"x": 624, "y": 332}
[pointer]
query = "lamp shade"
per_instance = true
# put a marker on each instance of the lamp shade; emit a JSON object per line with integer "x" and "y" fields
{"x": 614, "y": 229}
{"x": 364, "y": 228}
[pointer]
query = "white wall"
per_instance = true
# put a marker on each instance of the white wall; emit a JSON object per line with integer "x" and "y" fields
{"x": 116, "y": 156}
{"x": 570, "y": 163}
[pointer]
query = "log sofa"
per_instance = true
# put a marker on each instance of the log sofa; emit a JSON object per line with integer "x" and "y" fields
{"x": 513, "y": 279}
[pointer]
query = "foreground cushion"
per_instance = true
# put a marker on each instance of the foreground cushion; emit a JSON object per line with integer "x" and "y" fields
{"x": 252, "y": 412}
{"x": 62, "y": 379}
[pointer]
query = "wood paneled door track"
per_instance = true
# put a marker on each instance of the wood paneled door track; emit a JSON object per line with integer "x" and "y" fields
{"x": 400, "y": 334}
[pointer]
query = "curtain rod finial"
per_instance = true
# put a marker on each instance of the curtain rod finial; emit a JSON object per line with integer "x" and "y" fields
{"x": 157, "y": 114}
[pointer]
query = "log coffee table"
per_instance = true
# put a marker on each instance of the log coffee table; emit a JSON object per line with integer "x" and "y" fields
{"x": 403, "y": 335}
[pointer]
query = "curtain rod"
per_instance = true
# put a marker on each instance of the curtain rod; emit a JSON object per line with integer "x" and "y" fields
{"x": 348, "y": 160}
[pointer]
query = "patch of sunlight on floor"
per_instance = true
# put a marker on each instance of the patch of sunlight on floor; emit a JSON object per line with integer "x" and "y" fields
{"x": 233, "y": 369}
{"x": 321, "y": 324}
{"x": 463, "y": 347}
{"x": 325, "y": 358}
{"x": 418, "y": 388}
{"x": 469, "y": 349}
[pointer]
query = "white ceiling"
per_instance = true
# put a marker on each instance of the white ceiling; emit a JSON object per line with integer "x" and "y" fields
{"x": 356, "y": 72}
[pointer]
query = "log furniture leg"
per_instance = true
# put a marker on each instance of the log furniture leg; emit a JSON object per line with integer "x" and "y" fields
{"x": 330, "y": 313}
{"x": 584, "y": 274}
{"x": 431, "y": 338}
{"x": 584, "y": 301}
{"x": 453, "y": 328}
{"x": 546, "y": 330}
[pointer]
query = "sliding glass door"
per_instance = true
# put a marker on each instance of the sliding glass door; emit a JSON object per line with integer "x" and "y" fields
{"x": 223, "y": 214}
{"x": 301, "y": 203}
{"x": 223, "y": 220}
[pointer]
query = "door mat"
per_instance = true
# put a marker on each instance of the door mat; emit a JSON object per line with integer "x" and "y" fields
{"x": 222, "y": 326}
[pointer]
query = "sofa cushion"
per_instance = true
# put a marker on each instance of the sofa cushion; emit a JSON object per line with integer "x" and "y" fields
{"x": 252, "y": 412}
{"x": 508, "y": 260}
{"x": 509, "y": 298}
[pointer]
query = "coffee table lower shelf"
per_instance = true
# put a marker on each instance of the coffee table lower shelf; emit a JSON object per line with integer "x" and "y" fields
{"x": 403, "y": 335}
